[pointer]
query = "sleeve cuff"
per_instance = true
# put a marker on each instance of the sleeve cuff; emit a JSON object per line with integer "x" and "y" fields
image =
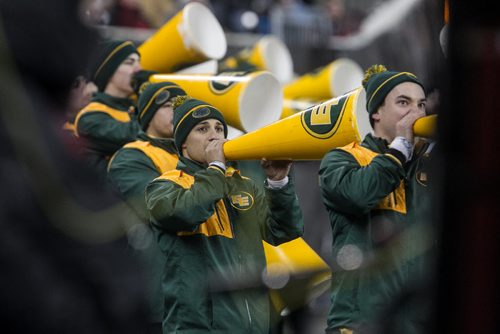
{"x": 401, "y": 144}
{"x": 219, "y": 164}
{"x": 396, "y": 155}
{"x": 277, "y": 184}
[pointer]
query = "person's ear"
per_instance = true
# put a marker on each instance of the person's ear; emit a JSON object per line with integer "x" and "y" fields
{"x": 375, "y": 116}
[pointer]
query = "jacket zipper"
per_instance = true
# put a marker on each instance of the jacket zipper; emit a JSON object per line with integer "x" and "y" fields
{"x": 218, "y": 218}
{"x": 246, "y": 301}
{"x": 248, "y": 311}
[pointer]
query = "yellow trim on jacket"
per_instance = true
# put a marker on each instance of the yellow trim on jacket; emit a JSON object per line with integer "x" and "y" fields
{"x": 395, "y": 201}
{"x": 218, "y": 223}
{"x": 119, "y": 115}
{"x": 164, "y": 161}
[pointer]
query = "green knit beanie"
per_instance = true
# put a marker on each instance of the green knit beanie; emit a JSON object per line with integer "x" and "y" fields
{"x": 378, "y": 82}
{"x": 187, "y": 113}
{"x": 109, "y": 56}
{"x": 153, "y": 97}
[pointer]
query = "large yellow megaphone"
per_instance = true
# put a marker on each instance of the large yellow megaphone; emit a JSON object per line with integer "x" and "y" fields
{"x": 335, "y": 79}
{"x": 248, "y": 101}
{"x": 269, "y": 53}
{"x": 193, "y": 35}
{"x": 311, "y": 133}
{"x": 307, "y": 135}
{"x": 295, "y": 274}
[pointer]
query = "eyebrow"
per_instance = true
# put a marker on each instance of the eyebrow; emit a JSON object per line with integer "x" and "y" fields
{"x": 131, "y": 57}
{"x": 206, "y": 122}
{"x": 409, "y": 98}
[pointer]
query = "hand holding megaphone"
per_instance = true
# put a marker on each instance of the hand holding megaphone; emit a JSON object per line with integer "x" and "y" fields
{"x": 276, "y": 170}
{"x": 404, "y": 127}
{"x": 214, "y": 151}
{"x": 139, "y": 79}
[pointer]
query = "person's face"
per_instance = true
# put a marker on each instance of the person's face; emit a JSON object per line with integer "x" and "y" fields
{"x": 161, "y": 125}
{"x": 80, "y": 94}
{"x": 199, "y": 137}
{"x": 401, "y": 99}
{"x": 120, "y": 83}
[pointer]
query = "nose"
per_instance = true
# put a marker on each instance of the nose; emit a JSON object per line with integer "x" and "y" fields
{"x": 213, "y": 134}
{"x": 137, "y": 66}
{"x": 416, "y": 107}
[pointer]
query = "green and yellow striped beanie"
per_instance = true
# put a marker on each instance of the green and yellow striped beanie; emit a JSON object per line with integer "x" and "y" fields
{"x": 108, "y": 57}
{"x": 187, "y": 113}
{"x": 378, "y": 82}
{"x": 152, "y": 97}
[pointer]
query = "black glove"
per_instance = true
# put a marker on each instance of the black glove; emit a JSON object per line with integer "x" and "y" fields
{"x": 141, "y": 80}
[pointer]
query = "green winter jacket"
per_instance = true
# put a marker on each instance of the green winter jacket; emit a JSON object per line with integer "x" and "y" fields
{"x": 370, "y": 195}
{"x": 106, "y": 124}
{"x": 130, "y": 170}
{"x": 210, "y": 226}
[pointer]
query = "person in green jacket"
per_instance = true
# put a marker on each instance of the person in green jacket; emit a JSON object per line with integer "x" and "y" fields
{"x": 135, "y": 165}
{"x": 210, "y": 222}
{"x": 108, "y": 122}
{"x": 80, "y": 94}
{"x": 373, "y": 193}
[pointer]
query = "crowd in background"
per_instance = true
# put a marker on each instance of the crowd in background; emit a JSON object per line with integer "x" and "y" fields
{"x": 337, "y": 17}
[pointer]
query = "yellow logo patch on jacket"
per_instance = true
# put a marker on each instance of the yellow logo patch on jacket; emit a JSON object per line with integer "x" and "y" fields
{"x": 241, "y": 201}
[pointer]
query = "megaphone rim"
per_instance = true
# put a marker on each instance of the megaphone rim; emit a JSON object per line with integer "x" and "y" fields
{"x": 340, "y": 82}
{"x": 198, "y": 44}
{"x": 361, "y": 118}
{"x": 266, "y": 86}
{"x": 276, "y": 57}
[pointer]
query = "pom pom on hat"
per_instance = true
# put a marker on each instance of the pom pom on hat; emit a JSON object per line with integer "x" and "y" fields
{"x": 374, "y": 69}
{"x": 140, "y": 80}
{"x": 178, "y": 100}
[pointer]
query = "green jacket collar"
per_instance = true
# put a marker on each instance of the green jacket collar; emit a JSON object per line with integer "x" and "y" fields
{"x": 164, "y": 143}
{"x": 114, "y": 102}
{"x": 380, "y": 145}
{"x": 189, "y": 166}
{"x": 375, "y": 144}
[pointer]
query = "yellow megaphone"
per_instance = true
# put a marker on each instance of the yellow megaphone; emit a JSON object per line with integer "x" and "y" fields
{"x": 248, "y": 101}
{"x": 335, "y": 79}
{"x": 193, "y": 35}
{"x": 307, "y": 135}
{"x": 295, "y": 274}
{"x": 311, "y": 133}
{"x": 269, "y": 53}
{"x": 425, "y": 127}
